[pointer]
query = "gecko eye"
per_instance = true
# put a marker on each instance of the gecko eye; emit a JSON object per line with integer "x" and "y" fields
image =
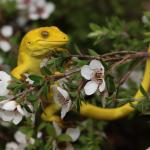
{"x": 44, "y": 34}
{"x": 29, "y": 42}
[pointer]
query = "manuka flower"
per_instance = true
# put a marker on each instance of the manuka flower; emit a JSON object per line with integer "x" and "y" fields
{"x": 61, "y": 97}
{"x": 40, "y": 9}
{"x": 11, "y": 111}
{"x": 20, "y": 143}
{"x": 6, "y": 32}
{"x": 4, "y": 82}
{"x": 94, "y": 73}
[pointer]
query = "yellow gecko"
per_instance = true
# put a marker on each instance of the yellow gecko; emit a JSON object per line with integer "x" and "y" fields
{"x": 36, "y": 44}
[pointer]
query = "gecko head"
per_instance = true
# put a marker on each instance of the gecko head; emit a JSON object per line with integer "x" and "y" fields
{"x": 42, "y": 40}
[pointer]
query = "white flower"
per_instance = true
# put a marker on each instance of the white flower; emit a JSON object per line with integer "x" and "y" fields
{"x": 4, "y": 82}
{"x": 11, "y": 146}
{"x": 22, "y": 20}
{"x": 23, "y": 4}
{"x": 39, "y": 135}
{"x": 94, "y": 72}
{"x": 7, "y": 31}
{"x": 74, "y": 133}
{"x": 43, "y": 62}
{"x": 11, "y": 111}
{"x": 148, "y": 148}
{"x": 9, "y": 106}
{"x": 5, "y": 46}
{"x": 145, "y": 19}
{"x": 61, "y": 97}
{"x": 22, "y": 141}
{"x": 58, "y": 130}
{"x": 20, "y": 137}
{"x": 40, "y": 9}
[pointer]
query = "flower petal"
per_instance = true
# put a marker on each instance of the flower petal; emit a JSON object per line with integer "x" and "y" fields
{"x": 5, "y": 45}
{"x": 20, "y": 137}
{"x": 90, "y": 87}
{"x": 102, "y": 86}
{"x": 63, "y": 92}
{"x": 4, "y": 82}
{"x": 58, "y": 130}
{"x": 65, "y": 108}
{"x": 7, "y": 30}
{"x": 74, "y": 133}
{"x": 10, "y": 106}
{"x": 17, "y": 118}
{"x": 11, "y": 146}
{"x": 44, "y": 62}
{"x": 86, "y": 72}
{"x": 7, "y": 115}
{"x": 95, "y": 64}
{"x": 20, "y": 110}
{"x": 3, "y": 102}
{"x": 49, "y": 8}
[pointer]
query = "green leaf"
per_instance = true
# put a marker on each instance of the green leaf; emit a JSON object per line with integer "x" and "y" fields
{"x": 64, "y": 138}
{"x": 94, "y": 26}
{"x": 46, "y": 71}
{"x": 38, "y": 80}
{"x": 143, "y": 106}
{"x": 16, "y": 86}
{"x": 143, "y": 92}
{"x": 45, "y": 89}
{"x": 28, "y": 108}
{"x": 92, "y": 52}
{"x": 2, "y": 98}
{"x": 27, "y": 130}
{"x": 110, "y": 84}
{"x": 32, "y": 97}
{"x": 78, "y": 50}
{"x": 50, "y": 130}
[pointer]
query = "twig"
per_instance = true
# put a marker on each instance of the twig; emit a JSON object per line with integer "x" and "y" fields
{"x": 126, "y": 76}
{"x": 118, "y": 63}
{"x": 119, "y": 53}
{"x": 105, "y": 57}
{"x": 62, "y": 75}
{"x": 22, "y": 93}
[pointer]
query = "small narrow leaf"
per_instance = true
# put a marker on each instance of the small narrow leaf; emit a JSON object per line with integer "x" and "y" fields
{"x": 64, "y": 138}
{"x": 92, "y": 52}
{"x": 38, "y": 80}
{"x": 143, "y": 91}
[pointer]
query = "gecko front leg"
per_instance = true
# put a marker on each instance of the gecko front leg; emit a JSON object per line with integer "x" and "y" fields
{"x": 22, "y": 67}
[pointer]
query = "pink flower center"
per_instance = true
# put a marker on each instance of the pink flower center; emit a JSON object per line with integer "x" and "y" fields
{"x": 26, "y": 2}
{"x": 40, "y": 10}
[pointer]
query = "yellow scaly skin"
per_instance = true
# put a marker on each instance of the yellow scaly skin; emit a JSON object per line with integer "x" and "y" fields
{"x": 34, "y": 47}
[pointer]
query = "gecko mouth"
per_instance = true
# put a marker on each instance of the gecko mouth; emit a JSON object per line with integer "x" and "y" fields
{"x": 43, "y": 42}
{"x": 43, "y": 47}
{"x": 40, "y": 51}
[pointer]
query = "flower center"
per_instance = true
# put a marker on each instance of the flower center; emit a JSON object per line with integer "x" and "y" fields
{"x": 26, "y": 2}
{"x": 97, "y": 76}
{"x": 40, "y": 10}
